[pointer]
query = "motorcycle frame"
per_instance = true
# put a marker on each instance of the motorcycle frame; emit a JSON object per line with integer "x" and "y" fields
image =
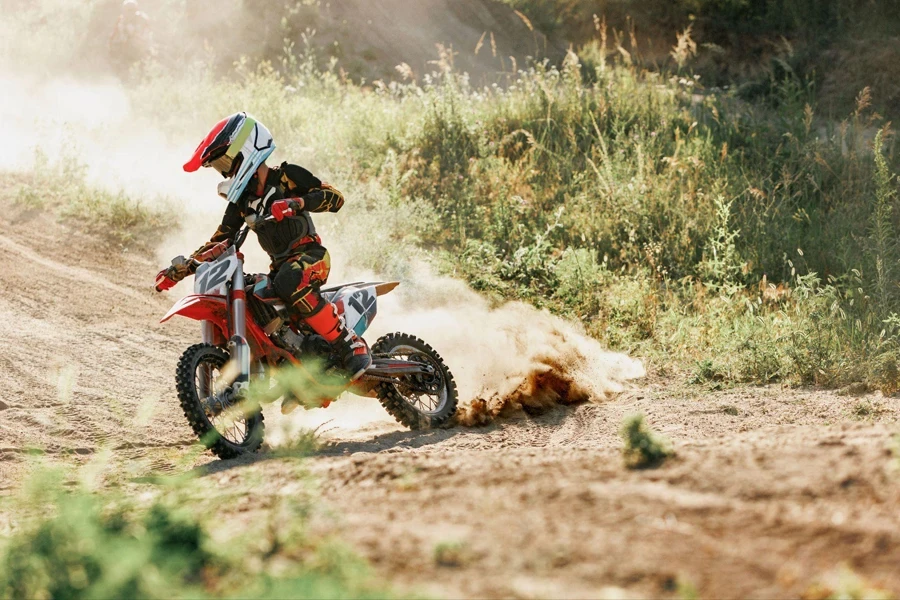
{"x": 245, "y": 338}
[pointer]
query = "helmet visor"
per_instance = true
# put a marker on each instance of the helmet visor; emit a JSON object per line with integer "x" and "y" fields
{"x": 222, "y": 164}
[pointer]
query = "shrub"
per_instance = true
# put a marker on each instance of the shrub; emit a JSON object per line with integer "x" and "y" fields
{"x": 102, "y": 544}
{"x": 643, "y": 448}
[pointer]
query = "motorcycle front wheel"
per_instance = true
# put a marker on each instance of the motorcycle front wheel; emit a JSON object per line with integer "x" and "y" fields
{"x": 416, "y": 401}
{"x": 224, "y": 424}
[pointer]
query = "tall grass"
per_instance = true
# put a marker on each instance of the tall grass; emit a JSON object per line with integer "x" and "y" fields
{"x": 675, "y": 221}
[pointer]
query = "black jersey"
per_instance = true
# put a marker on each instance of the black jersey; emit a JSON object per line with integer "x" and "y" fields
{"x": 280, "y": 239}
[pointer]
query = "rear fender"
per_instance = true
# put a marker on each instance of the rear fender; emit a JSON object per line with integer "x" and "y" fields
{"x": 358, "y": 305}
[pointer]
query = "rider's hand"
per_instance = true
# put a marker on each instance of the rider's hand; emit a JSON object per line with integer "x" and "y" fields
{"x": 164, "y": 281}
{"x": 167, "y": 278}
{"x": 282, "y": 208}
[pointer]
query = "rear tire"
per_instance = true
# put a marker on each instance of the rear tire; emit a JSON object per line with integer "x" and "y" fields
{"x": 248, "y": 431}
{"x": 403, "y": 401}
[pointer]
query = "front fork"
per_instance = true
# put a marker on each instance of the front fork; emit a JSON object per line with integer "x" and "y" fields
{"x": 237, "y": 345}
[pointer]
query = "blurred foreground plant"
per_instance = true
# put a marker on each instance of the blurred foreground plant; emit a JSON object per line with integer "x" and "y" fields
{"x": 643, "y": 448}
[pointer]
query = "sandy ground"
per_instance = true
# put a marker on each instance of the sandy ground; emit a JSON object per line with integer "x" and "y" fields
{"x": 772, "y": 489}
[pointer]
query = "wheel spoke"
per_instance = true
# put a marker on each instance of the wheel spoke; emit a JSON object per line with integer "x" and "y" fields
{"x": 425, "y": 393}
{"x": 221, "y": 412}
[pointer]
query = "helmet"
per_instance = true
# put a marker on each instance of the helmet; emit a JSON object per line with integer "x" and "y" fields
{"x": 236, "y": 147}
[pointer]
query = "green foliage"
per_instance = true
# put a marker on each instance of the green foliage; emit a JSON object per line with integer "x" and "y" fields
{"x": 721, "y": 265}
{"x": 113, "y": 215}
{"x": 643, "y": 448}
{"x": 102, "y": 544}
{"x": 707, "y": 371}
{"x": 796, "y": 18}
{"x": 87, "y": 550}
{"x": 675, "y": 222}
{"x": 883, "y": 235}
{"x": 452, "y": 554}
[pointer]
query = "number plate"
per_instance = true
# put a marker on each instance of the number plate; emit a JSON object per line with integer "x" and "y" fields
{"x": 212, "y": 278}
{"x": 360, "y": 306}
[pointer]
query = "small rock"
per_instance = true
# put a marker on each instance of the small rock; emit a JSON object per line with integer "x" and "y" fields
{"x": 3, "y": 405}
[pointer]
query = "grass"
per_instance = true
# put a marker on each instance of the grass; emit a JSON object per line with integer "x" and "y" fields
{"x": 452, "y": 554}
{"x": 744, "y": 242}
{"x": 114, "y": 216}
{"x": 167, "y": 542}
{"x": 643, "y": 449}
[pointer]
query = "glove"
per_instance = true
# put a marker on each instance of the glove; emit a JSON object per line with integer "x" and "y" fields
{"x": 281, "y": 209}
{"x": 167, "y": 278}
{"x": 207, "y": 252}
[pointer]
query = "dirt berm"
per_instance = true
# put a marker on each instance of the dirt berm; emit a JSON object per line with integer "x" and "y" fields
{"x": 487, "y": 38}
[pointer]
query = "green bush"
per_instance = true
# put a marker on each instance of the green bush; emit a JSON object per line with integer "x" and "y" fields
{"x": 103, "y": 544}
{"x": 643, "y": 448}
{"x": 87, "y": 550}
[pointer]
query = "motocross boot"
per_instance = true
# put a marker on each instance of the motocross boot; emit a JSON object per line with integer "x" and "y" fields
{"x": 354, "y": 353}
{"x": 352, "y": 349}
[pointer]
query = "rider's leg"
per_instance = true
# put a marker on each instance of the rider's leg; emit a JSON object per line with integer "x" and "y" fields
{"x": 297, "y": 283}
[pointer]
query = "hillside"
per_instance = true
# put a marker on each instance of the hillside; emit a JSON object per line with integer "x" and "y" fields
{"x": 366, "y": 39}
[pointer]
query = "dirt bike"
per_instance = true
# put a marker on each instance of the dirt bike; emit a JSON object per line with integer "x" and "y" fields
{"x": 248, "y": 336}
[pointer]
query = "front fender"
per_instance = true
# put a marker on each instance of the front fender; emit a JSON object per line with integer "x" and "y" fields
{"x": 201, "y": 307}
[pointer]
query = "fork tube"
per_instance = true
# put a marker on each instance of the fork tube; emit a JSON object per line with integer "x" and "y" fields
{"x": 239, "y": 335}
{"x": 206, "y": 331}
{"x": 239, "y": 302}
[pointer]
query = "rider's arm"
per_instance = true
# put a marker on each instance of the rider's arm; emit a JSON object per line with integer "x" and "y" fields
{"x": 231, "y": 223}
{"x": 324, "y": 199}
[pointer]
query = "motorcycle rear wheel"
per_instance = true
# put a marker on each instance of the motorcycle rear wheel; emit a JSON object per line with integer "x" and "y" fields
{"x": 223, "y": 426}
{"x": 416, "y": 401}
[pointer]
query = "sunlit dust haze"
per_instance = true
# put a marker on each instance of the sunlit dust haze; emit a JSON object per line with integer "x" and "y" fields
{"x": 504, "y": 358}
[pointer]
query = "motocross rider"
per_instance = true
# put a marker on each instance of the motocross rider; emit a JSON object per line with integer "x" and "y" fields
{"x": 132, "y": 37}
{"x": 275, "y": 202}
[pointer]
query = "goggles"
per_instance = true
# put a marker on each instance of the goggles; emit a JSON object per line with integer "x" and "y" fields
{"x": 223, "y": 164}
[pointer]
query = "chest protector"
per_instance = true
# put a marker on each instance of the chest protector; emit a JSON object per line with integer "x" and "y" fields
{"x": 279, "y": 238}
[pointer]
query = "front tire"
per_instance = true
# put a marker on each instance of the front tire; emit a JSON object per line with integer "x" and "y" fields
{"x": 224, "y": 426}
{"x": 415, "y": 401}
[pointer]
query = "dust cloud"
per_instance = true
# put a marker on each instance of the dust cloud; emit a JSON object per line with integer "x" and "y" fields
{"x": 504, "y": 358}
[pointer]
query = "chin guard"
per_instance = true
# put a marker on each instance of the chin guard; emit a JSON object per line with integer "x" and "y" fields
{"x": 223, "y": 187}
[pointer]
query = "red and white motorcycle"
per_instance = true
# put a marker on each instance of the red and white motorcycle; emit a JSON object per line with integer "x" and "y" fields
{"x": 249, "y": 343}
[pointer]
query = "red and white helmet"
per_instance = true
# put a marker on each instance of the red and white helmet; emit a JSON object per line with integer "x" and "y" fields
{"x": 236, "y": 147}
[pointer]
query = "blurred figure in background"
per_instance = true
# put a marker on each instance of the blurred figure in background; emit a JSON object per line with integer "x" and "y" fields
{"x": 132, "y": 39}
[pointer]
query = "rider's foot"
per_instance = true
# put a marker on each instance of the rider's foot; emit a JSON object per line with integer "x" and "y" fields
{"x": 352, "y": 350}
{"x": 354, "y": 353}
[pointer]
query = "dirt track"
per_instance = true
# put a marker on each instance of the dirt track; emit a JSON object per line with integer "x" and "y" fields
{"x": 764, "y": 498}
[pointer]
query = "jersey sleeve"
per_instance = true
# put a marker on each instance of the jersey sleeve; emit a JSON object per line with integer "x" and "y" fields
{"x": 324, "y": 199}
{"x": 231, "y": 223}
